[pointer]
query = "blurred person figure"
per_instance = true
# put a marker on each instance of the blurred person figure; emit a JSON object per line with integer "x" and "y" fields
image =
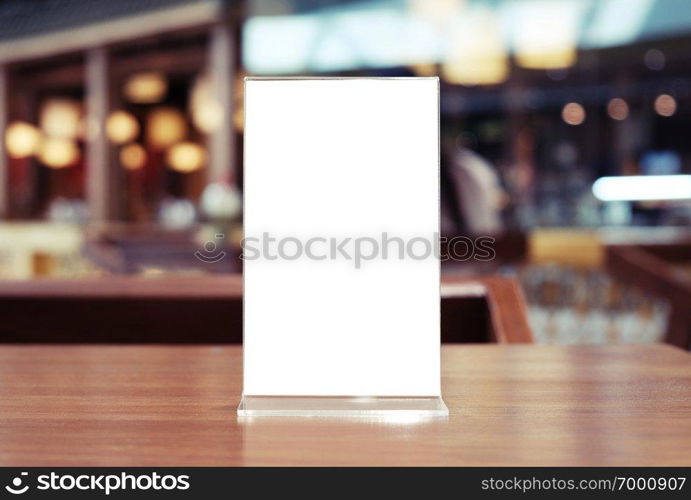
{"x": 472, "y": 197}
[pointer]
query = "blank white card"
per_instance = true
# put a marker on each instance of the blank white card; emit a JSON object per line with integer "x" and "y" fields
{"x": 334, "y": 167}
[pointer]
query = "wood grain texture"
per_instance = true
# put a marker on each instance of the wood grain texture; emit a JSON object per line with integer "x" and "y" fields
{"x": 510, "y": 405}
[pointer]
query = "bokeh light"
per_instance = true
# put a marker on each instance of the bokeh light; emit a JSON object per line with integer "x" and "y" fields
{"x": 654, "y": 59}
{"x": 546, "y": 34}
{"x": 61, "y": 118}
{"x": 22, "y": 139}
{"x": 221, "y": 201}
{"x": 58, "y": 153}
{"x": 477, "y": 54}
{"x": 122, "y": 127}
{"x": 165, "y": 126}
{"x": 133, "y": 157}
{"x": 186, "y": 157}
{"x": 665, "y": 105}
{"x": 146, "y": 88}
{"x": 618, "y": 109}
{"x": 573, "y": 113}
{"x": 206, "y": 112}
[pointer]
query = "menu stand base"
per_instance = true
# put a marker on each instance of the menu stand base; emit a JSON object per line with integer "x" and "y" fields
{"x": 340, "y": 406}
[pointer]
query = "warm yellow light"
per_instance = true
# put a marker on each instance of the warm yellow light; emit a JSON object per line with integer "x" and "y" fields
{"x": 206, "y": 111}
{"x": 122, "y": 127}
{"x": 665, "y": 105}
{"x": 424, "y": 69}
{"x": 186, "y": 157}
{"x": 557, "y": 58}
{"x": 438, "y": 12}
{"x": 618, "y": 109}
{"x": 61, "y": 118}
{"x": 146, "y": 88}
{"x": 476, "y": 72}
{"x": 133, "y": 157}
{"x": 477, "y": 54}
{"x": 58, "y": 153}
{"x": 573, "y": 113}
{"x": 22, "y": 139}
{"x": 208, "y": 117}
{"x": 546, "y": 34}
{"x": 165, "y": 127}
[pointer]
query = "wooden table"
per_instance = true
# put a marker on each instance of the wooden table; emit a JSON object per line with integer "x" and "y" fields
{"x": 510, "y": 405}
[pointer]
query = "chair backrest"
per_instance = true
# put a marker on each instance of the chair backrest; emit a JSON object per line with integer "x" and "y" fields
{"x": 654, "y": 268}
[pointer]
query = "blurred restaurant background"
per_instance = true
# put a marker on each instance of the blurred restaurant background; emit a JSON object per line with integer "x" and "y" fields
{"x": 564, "y": 136}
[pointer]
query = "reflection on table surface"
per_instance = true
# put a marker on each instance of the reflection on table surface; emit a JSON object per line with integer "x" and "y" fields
{"x": 509, "y": 405}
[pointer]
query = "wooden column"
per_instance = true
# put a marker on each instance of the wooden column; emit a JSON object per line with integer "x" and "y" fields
{"x": 4, "y": 159}
{"x": 101, "y": 188}
{"x": 222, "y": 75}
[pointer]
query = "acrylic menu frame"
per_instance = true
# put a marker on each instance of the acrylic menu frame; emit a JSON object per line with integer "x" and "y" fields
{"x": 390, "y": 401}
